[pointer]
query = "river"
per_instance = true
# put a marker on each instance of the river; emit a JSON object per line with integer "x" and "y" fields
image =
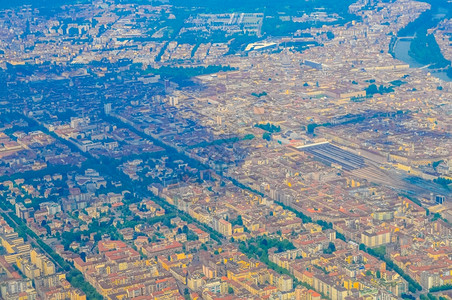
{"x": 401, "y": 49}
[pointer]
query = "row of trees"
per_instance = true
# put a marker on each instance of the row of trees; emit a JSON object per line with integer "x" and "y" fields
{"x": 443, "y": 181}
{"x": 429, "y": 296}
{"x": 413, "y": 285}
{"x": 76, "y": 281}
{"x": 259, "y": 95}
{"x": 258, "y": 247}
{"x": 373, "y": 89}
{"x": 269, "y": 127}
{"x": 441, "y": 288}
{"x": 178, "y": 73}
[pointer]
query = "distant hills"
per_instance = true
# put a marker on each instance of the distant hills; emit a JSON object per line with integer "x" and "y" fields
{"x": 339, "y": 7}
{"x": 39, "y": 3}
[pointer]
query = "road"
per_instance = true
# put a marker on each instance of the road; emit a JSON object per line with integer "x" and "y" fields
{"x": 30, "y": 238}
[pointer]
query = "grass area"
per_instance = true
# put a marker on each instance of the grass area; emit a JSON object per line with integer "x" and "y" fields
{"x": 381, "y": 250}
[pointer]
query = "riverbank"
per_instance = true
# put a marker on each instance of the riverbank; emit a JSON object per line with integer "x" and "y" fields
{"x": 401, "y": 51}
{"x": 419, "y": 48}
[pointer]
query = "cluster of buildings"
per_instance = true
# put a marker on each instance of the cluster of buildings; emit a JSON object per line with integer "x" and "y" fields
{"x": 346, "y": 274}
{"x": 118, "y": 271}
{"x": 100, "y": 138}
{"x": 333, "y": 150}
{"x": 442, "y": 36}
{"x": 40, "y": 278}
{"x": 32, "y": 151}
{"x": 228, "y": 22}
{"x": 119, "y": 31}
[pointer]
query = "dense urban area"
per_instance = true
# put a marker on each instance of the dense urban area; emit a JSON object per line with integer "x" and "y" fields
{"x": 225, "y": 149}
